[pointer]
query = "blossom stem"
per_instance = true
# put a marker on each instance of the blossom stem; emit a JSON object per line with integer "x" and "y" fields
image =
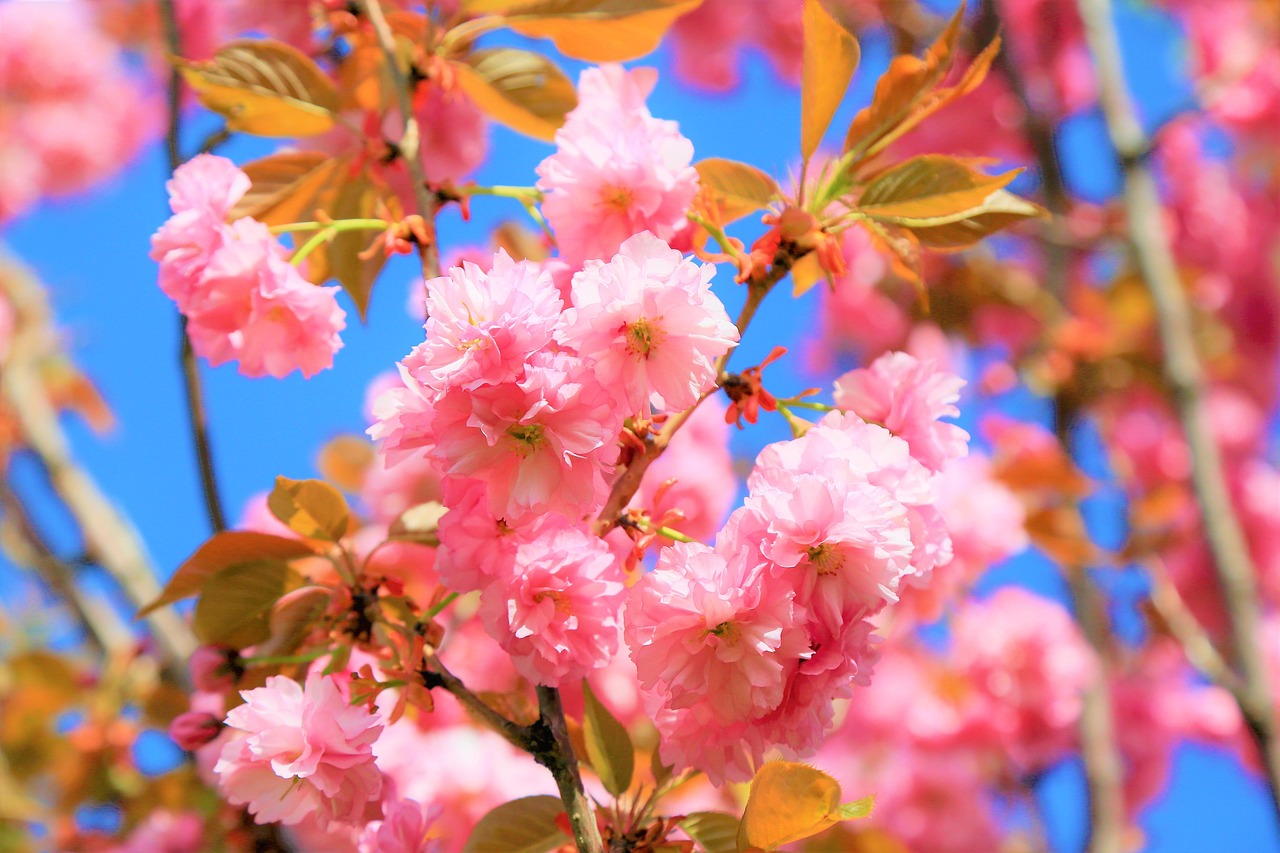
{"x": 441, "y": 605}
{"x": 328, "y": 230}
{"x": 428, "y": 252}
{"x": 1184, "y": 375}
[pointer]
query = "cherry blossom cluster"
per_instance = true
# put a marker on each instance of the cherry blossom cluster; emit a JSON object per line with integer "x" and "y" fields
{"x": 242, "y": 298}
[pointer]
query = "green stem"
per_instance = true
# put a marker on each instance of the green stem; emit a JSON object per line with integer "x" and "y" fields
{"x": 441, "y": 605}
{"x": 330, "y": 230}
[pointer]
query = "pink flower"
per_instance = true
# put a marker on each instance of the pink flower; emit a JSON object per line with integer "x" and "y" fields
{"x": 617, "y": 170}
{"x": 543, "y": 444}
{"x": 403, "y": 415}
{"x": 557, "y": 615}
{"x": 254, "y": 306}
{"x": 166, "y": 831}
{"x": 483, "y": 326}
{"x": 302, "y": 751}
{"x": 705, "y": 629}
{"x": 908, "y": 397}
{"x": 649, "y": 325}
{"x": 404, "y": 828}
{"x": 201, "y": 194}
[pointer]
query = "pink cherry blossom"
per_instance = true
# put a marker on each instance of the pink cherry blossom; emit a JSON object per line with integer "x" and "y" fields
{"x": 483, "y": 326}
{"x": 617, "y": 170}
{"x": 301, "y": 751}
{"x": 558, "y": 614}
{"x": 405, "y": 827}
{"x": 705, "y": 629}
{"x": 908, "y": 397}
{"x": 649, "y": 324}
{"x": 543, "y": 444}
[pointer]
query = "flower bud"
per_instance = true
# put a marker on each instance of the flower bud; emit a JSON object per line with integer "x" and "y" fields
{"x": 211, "y": 669}
{"x": 194, "y": 729}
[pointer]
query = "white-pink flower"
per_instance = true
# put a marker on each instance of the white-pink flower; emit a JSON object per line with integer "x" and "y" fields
{"x": 617, "y": 170}
{"x": 908, "y": 397}
{"x": 649, "y": 324}
{"x": 557, "y": 613}
{"x": 483, "y": 326}
{"x": 542, "y": 444}
{"x": 301, "y": 751}
{"x": 705, "y": 629}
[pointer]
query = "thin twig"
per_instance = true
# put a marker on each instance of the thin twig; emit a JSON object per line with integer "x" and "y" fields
{"x": 564, "y": 767}
{"x": 408, "y": 143}
{"x": 1184, "y": 376}
{"x": 197, "y": 417}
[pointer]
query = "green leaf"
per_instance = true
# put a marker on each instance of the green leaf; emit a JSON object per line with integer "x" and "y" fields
{"x": 310, "y": 508}
{"x": 526, "y": 825}
{"x": 831, "y": 55}
{"x": 714, "y": 832}
{"x": 931, "y": 186}
{"x": 609, "y": 747}
{"x": 523, "y": 90}
{"x": 1000, "y": 210}
{"x": 234, "y": 604}
{"x": 221, "y": 551}
{"x": 291, "y": 619}
{"x": 264, "y": 87}
{"x": 738, "y": 187}
{"x": 857, "y": 809}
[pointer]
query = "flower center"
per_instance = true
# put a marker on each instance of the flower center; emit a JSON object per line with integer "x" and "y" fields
{"x": 826, "y": 559}
{"x": 528, "y": 437}
{"x": 619, "y": 198}
{"x": 561, "y": 601}
{"x": 641, "y": 337}
{"x": 728, "y": 632}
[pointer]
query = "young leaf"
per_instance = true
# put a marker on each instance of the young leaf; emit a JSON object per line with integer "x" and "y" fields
{"x": 289, "y": 186}
{"x": 291, "y": 619}
{"x": 1000, "y": 210}
{"x": 221, "y": 551}
{"x": 234, "y": 603}
{"x": 805, "y": 274}
{"x": 830, "y": 56}
{"x": 264, "y": 87}
{"x": 526, "y": 825}
{"x": 738, "y": 187}
{"x": 609, "y": 746}
{"x": 714, "y": 832}
{"x": 357, "y": 198}
{"x": 595, "y": 30}
{"x": 418, "y": 524}
{"x": 344, "y": 460}
{"x": 523, "y": 90}
{"x": 931, "y": 186}
{"x": 310, "y": 508}
{"x": 790, "y": 801}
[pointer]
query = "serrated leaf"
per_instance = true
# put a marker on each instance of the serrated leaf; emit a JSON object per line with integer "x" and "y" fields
{"x": 288, "y": 187}
{"x": 526, "y": 825}
{"x": 592, "y": 30}
{"x": 523, "y": 90}
{"x": 609, "y": 747}
{"x": 858, "y": 808}
{"x": 1000, "y": 210}
{"x": 930, "y": 186}
{"x": 830, "y": 57}
{"x": 418, "y": 524}
{"x": 310, "y": 508}
{"x": 790, "y": 801}
{"x": 738, "y": 187}
{"x": 221, "y": 551}
{"x": 234, "y": 604}
{"x": 714, "y": 832}
{"x": 264, "y": 87}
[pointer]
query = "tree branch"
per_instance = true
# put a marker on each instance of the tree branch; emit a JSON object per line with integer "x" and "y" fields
{"x": 197, "y": 418}
{"x": 563, "y": 765}
{"x": 1183, "y": 373}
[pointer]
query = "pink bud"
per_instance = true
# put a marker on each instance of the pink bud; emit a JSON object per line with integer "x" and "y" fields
{"x": 211, "y": 669}
{"x": 194, "y": 729}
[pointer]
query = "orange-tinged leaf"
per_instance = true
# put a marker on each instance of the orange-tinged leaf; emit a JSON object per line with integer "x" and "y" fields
{"x": 739, "y": 188}
{"x": 310, "y": 508}
{"x": 714, "y": 832}
{"x": 289, "y": 187}
{"x": 1060, "y": 533}
{"x": 234, "y": 604}
{"x": 264, "y": 87}
{"x": 1000, "y": 210}
{"x": 418, "y": 524}
{"x": 790, "y": 801}
{"x": 364, "y": 80}
{"x": 805, "y": 273}
{"x": 523, "y": 90}
{"x": 357, "y": 198}
{"x": 221, "y": 551}
{"x": 344, "y": 459}
{"x": 931, "y": 186}
{"x": 608, "y": 745}
{"x": 291, "y": 618}
{"x": 830, "y": 56}
{"x": 597, "y": 30}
